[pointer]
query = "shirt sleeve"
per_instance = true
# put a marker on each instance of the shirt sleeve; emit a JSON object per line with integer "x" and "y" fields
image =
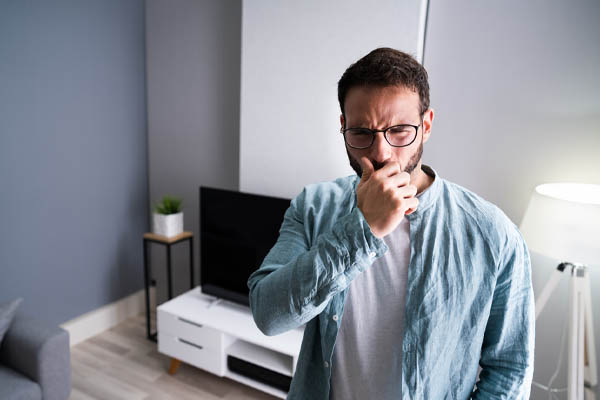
{"x": 507, "y": 352}
{"x": 295, "y": 282}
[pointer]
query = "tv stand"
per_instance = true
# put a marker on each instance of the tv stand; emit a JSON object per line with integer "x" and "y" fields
{"x": 203, "y": 331}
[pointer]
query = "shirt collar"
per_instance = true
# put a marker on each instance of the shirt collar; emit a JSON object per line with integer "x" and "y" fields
{"x": 427, "y": 198}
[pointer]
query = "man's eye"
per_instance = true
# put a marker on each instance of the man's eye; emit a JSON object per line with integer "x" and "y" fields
{"x": 400, "y": 129}
{"x": 360, "y": 132}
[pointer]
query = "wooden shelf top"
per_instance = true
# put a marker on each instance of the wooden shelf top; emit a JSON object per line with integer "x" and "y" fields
{"x": 171, "y": 239}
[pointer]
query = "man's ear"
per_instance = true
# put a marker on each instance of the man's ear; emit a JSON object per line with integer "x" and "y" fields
{"x": 427, "y": 123}
{"x": 342, "y": 121}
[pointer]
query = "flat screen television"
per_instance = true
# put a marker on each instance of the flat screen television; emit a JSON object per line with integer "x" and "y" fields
{"x": 237, "y": 230}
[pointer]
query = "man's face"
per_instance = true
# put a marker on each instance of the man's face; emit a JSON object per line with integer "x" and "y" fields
{"x": 380, "y": 108}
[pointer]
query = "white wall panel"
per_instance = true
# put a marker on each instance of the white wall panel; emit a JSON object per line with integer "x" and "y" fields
{"x": 293, "y": 54}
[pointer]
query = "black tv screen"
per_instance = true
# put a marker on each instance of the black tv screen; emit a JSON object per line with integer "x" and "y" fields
{"x": 237, "y": 230}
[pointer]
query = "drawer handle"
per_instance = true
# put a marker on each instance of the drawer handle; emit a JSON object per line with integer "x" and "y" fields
{"x": 189, "y": 322}
{"x": 190, "y": 343}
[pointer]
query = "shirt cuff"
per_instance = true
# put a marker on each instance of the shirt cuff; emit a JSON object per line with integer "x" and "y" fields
{"x": 361, "y": 245}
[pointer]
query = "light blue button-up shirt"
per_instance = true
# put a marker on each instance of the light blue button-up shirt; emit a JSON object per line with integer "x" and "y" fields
{"x": 469, "y": 297}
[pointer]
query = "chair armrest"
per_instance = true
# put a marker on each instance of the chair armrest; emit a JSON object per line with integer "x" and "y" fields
{"x": 40, "y": 351}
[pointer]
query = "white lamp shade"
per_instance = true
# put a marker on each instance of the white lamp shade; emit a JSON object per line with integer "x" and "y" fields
{"x": 562, "y": 221}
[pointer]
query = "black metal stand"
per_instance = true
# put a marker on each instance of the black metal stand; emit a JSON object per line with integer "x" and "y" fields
{"x": 151, "y": 237}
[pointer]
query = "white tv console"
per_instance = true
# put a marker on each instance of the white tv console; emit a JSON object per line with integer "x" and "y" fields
{"x": 202, "y": 331}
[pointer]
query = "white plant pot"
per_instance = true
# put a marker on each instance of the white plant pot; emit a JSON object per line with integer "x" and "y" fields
{"x": 167, "y": 225}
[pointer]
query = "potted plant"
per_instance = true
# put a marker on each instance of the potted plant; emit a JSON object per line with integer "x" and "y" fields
{"x": 167, "y": 219}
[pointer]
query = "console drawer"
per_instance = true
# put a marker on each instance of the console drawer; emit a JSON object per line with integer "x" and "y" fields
{"x": 191, "y": 353}
{"x": 191, "y": 331}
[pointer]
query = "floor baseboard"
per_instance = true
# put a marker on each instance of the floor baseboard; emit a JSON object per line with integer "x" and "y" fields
{"x": 97, "y": 321}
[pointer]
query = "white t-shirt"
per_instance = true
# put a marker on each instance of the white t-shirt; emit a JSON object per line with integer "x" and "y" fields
{"x": 367, "y": 357}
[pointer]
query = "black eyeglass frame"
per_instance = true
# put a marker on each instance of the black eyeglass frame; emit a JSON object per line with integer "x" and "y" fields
{"x": 374, "y": 131}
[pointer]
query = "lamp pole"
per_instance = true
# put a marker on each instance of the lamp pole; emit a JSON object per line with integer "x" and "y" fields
{"x": 582, "y": 367}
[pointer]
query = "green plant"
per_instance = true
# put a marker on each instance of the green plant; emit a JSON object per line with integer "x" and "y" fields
{"x": 168, "y": 205}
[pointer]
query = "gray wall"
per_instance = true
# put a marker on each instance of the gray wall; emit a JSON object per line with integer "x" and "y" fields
{"x": 515, "y": 88}
{"x": 73, "y": 154}
{"x": 193, "y": 62}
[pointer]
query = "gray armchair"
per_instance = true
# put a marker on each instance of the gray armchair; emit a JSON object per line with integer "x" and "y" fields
{"x": 35, "y": 361}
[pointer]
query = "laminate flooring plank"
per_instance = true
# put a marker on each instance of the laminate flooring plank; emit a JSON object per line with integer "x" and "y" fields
{"x": 152, "y": 359}
{"x": 90, "y": 360}
{"x": 203, "y": 380}
{"x": 243, "y": 392}
{"x": 82, "y": 367}
{"x": 102, "y": 354}
{"x": 109, "y": 345}
{"x": 133, "y": 373}
{"x": 182, "y": 390}
{"x": 104, "y": 387}
{"x": 135, "y": 344}
{"x": 78, "y": 395}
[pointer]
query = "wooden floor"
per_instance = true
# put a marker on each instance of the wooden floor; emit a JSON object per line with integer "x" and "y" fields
{"x": 122, "y": 364}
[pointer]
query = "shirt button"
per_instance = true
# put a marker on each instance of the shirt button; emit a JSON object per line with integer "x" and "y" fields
{"x": 335, "y": 317}
{"x": 326, "y": 364}
{"x": 372, "y": 254}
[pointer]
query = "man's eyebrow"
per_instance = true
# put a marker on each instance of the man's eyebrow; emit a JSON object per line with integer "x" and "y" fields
{"x": 399, "y": 121}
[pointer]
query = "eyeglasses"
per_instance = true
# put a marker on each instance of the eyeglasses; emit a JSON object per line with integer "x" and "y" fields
{"x": 397, "y": 136}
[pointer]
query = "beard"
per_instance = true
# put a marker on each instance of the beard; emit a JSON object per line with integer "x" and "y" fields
{"x": 410, "y": 166}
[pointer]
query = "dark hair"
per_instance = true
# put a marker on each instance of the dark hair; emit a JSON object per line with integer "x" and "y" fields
{"x": 386, "y": 67}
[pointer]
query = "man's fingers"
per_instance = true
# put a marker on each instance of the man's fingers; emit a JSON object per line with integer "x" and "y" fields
{"x": 407, "y": 191}
{"x": 389, "y": 169}
{"x": 367, "y": 168}
{"x": 412, "y": 204}
{"x": 399, "y": 180}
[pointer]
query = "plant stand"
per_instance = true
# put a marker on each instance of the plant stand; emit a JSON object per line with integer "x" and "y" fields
{"x": 168, "y": 242}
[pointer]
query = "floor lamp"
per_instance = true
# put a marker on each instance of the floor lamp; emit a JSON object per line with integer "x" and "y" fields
{"x": 562, "y": 221}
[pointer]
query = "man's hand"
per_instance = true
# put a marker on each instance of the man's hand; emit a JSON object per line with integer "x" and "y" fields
{"x": 385, "y": 196}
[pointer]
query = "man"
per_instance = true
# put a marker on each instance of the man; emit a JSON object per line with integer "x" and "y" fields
{"x": 407, "y": 283}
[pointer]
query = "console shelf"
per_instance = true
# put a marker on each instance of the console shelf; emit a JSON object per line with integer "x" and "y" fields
{"x": 269, "y": 359}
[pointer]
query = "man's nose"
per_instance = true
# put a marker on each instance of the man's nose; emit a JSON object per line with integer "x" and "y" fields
{"x": 380, "y": 149}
